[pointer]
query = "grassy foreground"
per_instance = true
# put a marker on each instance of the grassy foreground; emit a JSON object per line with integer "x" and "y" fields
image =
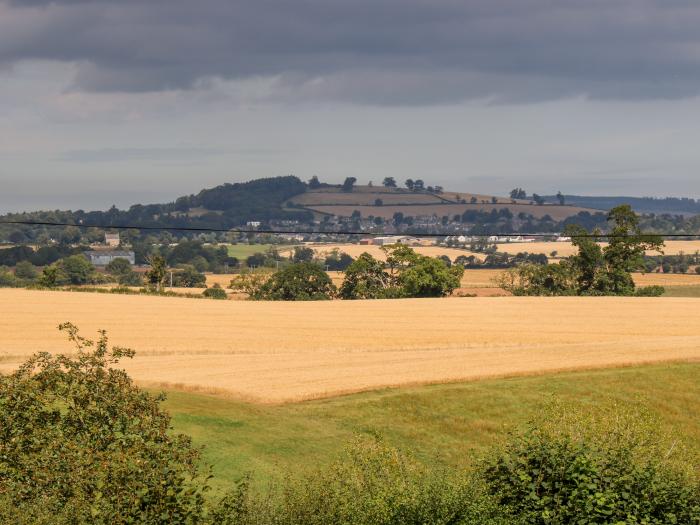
{"x": 442, "y": 424}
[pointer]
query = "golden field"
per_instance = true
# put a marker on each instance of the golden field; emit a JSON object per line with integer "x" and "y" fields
{"x": 355, "y": 250}
{"x": 279, "y": 352}
{"x": 564, "y": 249}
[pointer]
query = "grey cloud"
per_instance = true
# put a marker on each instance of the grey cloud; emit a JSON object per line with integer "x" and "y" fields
{"x": 138, "y": 154}
{"x": 413, "y": 52}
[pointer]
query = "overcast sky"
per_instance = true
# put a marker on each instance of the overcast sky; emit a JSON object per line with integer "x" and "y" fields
{"x": 125, "y": 101}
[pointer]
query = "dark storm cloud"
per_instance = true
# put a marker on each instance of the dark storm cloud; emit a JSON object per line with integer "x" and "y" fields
{"x": 374, "y": 51}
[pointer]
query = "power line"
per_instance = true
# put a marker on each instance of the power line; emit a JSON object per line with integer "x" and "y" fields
{"x": 316, "y": 232}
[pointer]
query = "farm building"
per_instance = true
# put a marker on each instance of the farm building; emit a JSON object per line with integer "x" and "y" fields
{"x": 112, "y": 239}
{"x": 103, "y": 258}
{"x": 396, "y": 239}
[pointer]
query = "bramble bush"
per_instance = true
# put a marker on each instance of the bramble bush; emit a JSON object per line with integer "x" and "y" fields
{"x": 610, "y": 465}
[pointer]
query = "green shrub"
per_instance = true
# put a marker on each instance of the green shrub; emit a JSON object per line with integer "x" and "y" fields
{"x": 130, "y": 278}
{"x": 77, "y": 269}
{"x": 215, "y": 292}
{"x": 26, "y": 270}
{"x": 8, "y": 279}
{"x": 607, "y": 467}
{"x": 650, "y": 291}
{"x": 189, "y": 277}
{"x": 79, "y": 443}
{"x": 371, "y": 484}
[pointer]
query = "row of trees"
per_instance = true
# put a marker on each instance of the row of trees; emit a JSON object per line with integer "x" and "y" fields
{"x": 417, "y": 185}
{"x": 81, "y": 443}
{"x": 594, "y": 270}
{"x": 404, "y": 274}
{"x": 521, "y": 194}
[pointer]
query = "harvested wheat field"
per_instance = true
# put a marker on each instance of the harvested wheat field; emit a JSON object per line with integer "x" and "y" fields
{"x": 564, "y": 249}
{"x": 277, "y": 352}
{"x": 355, "y": 250}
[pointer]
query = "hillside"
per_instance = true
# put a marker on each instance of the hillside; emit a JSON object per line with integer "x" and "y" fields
{"x": 385, "y": 202}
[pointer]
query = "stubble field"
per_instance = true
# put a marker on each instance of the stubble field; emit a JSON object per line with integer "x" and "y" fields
{"x": 281, "y": 352}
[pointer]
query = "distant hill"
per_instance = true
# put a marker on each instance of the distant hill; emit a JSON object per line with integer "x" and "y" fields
{"x": 288, "y": 198}
{"x": 224, "y": 206}
{"x": 668, "y": 205}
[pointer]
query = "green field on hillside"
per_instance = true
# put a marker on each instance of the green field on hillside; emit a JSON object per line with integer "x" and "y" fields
{"x": 442, "y": 424}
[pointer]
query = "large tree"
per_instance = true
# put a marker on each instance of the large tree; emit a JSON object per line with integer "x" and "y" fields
{"x": 594, "y": 270}
{"x": 304, "y": 281}
{"x": 348, "y": 184}
{"x": 626, "y": 248}
{"x": 405, "y": 274}
{"x": 365, "y": 278}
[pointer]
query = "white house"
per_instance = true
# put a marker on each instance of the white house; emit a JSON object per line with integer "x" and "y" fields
{"x": 395, "y": 239}
{"x": 104, "y": 257}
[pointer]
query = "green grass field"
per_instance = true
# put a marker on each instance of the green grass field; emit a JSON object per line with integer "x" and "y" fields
{"x": 443, "y": 424}
{"x": 241, "y": 251}
{"x": 682, "y": 291}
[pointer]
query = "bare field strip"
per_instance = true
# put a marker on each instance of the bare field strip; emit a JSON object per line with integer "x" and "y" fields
{"x": 279, "y": 352}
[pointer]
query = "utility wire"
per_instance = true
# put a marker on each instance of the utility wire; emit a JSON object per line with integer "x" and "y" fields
{"x": 318, "y": 232}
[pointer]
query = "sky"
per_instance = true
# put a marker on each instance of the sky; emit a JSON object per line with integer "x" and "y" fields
{"x": 123, "y": 101}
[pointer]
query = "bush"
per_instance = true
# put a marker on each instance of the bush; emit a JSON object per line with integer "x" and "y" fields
{"x": 77, "y": 269}
{"x": 337, "y": 261}
{"x": 370, "y": 484}
{"x": 8, "y": 279}
{"x": 189, "y": 277}
{"x": 118, "y": 266}
{"x": 303, "y": 254}
{"x": 130, "y": 278}
{"x": 612, "y": 466}
{"x": 650, "y": 291}
{"x": 26, "y": 270}
{"x": 79, "y": 443}
{"x": 536, "y": 279}
{"x": 215, "y": 292}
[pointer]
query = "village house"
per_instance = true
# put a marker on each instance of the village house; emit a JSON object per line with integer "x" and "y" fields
{"x": 104, "y": 257}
